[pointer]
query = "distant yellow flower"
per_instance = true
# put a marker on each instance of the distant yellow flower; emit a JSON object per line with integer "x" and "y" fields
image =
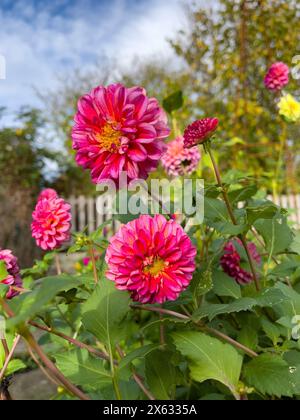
{"x": 289, "y": 108}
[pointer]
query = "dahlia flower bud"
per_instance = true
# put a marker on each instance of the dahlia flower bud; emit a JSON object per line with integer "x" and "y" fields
{"x": 152, "y": 258}
{"x": 119, "y": 129}
{"x": 13, "y": 278}
{"x": 178, "y": 160}
{"x": 231, "y": 262}
{"x": 200, "y": 131}
{"x": 277, "y": 76}
{"x": 51, "y": 223}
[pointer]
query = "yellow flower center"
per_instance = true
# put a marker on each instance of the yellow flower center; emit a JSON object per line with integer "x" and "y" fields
{"x": 157, "y": 267}
{"x": 109, "y": 139}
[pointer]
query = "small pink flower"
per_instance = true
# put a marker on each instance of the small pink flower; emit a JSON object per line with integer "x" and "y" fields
{"x": 51, "y": 223}
{"x": 231, "y": 262}
{"x": 86, "y": 261}
{"x": 277, "y": 76}
{"x": 152, "y": 258}
{"x": 14, "y": 277}
{"x": 48, "y": 193}
{"x": 119, "y": 129}
{"x": 178, "y": 160}
{"x": 200, "y": 131}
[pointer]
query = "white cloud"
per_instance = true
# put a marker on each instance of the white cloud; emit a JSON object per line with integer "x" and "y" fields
{"x": 39, "y": 42}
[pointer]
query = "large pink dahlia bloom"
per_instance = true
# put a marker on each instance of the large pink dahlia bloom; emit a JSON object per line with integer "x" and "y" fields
{"x": 152, "y": 258}
{"x": 14, "y": 278}
{"x": 277, "y": 76}
{"x": 119, "y": 129}
{"x": 179, "y": 161}
{"x": 200, "y": 131}
{"x": 231, "y": 261}
{"x": 51, "y": 223}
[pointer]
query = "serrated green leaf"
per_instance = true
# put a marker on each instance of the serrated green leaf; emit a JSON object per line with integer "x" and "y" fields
{"x": 295, "y": 246}
{"x": 139, "y": 353}
{"x": 103, "y": 312}
{"x": 270, "y": 375}
{"x": 210, "y": 311}
{"x": 27, "y": 305}
{"x": 276, "y": 233}
{"x": 242, "y": 194}
{"x": 202, "y": 283}
{"x": 82, "y": 369}
{"x": 161, "y": 374}
{"x": 264, "y": 210}
{"x": 210, "y": 358}
{"x": 15, "y": 366}
{"x": 266, "y": 298}
{"x": 225, "y": 285}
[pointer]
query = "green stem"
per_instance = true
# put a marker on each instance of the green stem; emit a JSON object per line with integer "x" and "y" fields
{"x": 231, "y": 214}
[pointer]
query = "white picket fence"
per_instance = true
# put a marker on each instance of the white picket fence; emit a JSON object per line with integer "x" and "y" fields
{"x": 86, "y": 216}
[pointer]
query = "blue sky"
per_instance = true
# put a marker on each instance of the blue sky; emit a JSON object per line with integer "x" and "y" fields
{"x": 41, "y": 39}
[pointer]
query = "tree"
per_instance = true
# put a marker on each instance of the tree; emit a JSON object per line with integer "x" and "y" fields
{"x": 228, "y": 50}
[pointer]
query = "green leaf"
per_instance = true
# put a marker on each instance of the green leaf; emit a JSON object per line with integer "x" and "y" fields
{"x": 202, "y": 283}
{"x": 227, "y": 228}
{"x": 215, "y": 210}
{"x": 210, "y": 358}
{"x": 82, "y": 369}
{"x": 139, "y": 353}
{"x": 276, "y": 233}
{"x": 242, "y": 194}
{"x": 225, "y": 285}
{"x": 14, "y": 366}
{"x": 270, "y": 375}
{"x": 210, "y": 311}
{"x": 271, "y": 330}
{"x": 27, "y": 305}
{"x": 285, "y": 269}
{"x": 103, "y": 312}
{"x": 3, "y": 271}
{"x": 295, "y": 246}
{"x": 265, "y": 210}
{"x": 248, "y": 337}
{"x": 161, "y": 375}
{"x": 266, "y": 298}
{"x": 173, "y": 102}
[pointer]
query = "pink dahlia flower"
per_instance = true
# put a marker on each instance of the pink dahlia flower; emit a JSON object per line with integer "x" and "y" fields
{"x": 231, "y": 262}
{"x": 14, "y": 277}
{"x": 119, "y": 129}
{"x": 48, "y": 193}
{"x": 277, "y": 76}
{"x": 51, "y": 223}
{"x": 178, "y": 160}
{"x": 152, "y": 258}
{"x": 200, "y": 131}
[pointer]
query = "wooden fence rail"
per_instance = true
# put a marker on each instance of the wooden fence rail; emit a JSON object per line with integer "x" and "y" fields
{"x": 85, "y": 215}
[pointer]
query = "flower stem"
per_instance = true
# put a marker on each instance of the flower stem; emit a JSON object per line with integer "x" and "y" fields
{"x": 231, "y": 214}
{"x": 9, "y": 357}
{"x": 30, "y": 340}
{"x": 58, "y": 265}
{"x": 212, "y": 331}
{"x": 93, "y": 258}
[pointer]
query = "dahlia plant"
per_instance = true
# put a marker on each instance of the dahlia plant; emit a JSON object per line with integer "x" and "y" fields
{"x": 160, "y": 309}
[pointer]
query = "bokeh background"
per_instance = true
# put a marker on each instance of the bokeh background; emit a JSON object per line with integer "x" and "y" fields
{"x": 216, "y": 52}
